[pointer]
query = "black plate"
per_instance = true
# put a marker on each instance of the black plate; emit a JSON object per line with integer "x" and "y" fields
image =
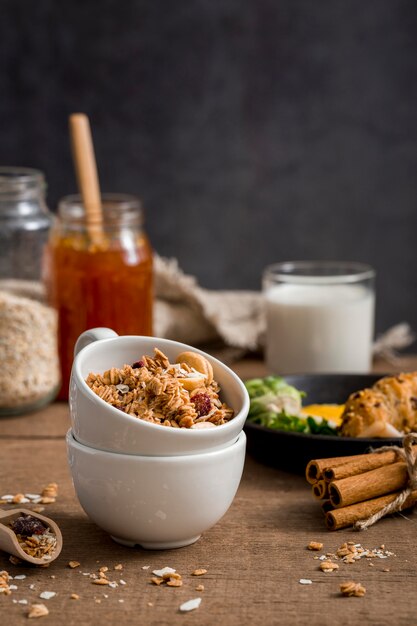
{"x": 292, "y": 451}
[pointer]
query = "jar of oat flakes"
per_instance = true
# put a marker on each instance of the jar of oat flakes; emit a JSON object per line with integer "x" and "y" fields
{"x": 107, "y": 282}
{"x": 28, "y": 346}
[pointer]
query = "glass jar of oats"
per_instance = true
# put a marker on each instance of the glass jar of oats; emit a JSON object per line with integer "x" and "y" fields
{"x": 28, "y": 346}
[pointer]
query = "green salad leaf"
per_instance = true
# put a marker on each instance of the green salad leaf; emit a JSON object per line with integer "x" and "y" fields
{"x": 276, "y": 404}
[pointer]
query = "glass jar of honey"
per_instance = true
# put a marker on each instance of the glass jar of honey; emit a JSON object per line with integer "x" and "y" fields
{"x": 100, "y": 281}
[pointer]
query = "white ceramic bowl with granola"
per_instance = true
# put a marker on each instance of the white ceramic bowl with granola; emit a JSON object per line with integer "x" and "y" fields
{"x": 156, "y": 502}
{"x": 152, "y": 396}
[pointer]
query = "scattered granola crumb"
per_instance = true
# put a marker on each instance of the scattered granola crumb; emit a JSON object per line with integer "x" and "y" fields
{"x": 74, "y": 596}
{"x": 150, "y": 603}
{"x": 97, "y": 601}
{"x": 38, "y": 610}
{"x": 315, "y": 545}
{"x": 199, "y": 588}
{"x": 199, "y": 572}
{"x": 50, "y": 491}
{"x": 19, "y": 498}
{"x": 351, "y": 588}
{"x": 4, "y": 583}
{"x": 386, "y": 569}
{"x": 103, "y": 569}
{"x": 38, "y": 509}
{"x": 328, "y": 566}
{"x": 157, "y": 581}
{"x": 305, "y": 581}
{"x": 172, "y": 575}
{"x": 190, "y": 605}
{"x": 74, "y": 564}
{"x": 47, "y": 500}
{"x": 174, "y": 582}
{"x": 100, "y": 581}
{"x": 119, "y": 566}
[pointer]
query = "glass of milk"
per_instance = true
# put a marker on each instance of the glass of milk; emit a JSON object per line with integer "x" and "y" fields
{"x": 320, "y": 317}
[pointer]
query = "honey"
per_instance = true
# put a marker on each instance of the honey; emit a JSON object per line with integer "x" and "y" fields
{"x": 106, "y": 283}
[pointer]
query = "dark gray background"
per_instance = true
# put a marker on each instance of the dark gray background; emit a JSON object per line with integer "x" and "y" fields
{"x": 254, "y": 130}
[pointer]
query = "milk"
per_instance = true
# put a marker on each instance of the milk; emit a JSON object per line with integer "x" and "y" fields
{"x": 319, "y": 327}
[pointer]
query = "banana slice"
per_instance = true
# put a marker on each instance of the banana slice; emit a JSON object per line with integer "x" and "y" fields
{"x": 197, "y": 362}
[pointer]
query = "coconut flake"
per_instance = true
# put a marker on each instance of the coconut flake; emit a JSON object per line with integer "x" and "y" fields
{"x": 47, "y": 595}
{"x": 164, "y": 570}
{"x": 305, "y": 581}
{"x": 190, "y": 605}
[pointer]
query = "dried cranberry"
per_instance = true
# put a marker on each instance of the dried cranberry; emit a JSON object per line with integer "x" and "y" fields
{"x": 202, "y": 403}
{"x": 120, "y": 407}
{"x": 28, "y": 525}
{"x": 138, "y": 364}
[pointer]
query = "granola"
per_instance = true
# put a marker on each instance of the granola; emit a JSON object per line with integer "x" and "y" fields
{"x": 34, "y": 537}
{"x": 177, "y": 395}
{"x": 351, "y": 588}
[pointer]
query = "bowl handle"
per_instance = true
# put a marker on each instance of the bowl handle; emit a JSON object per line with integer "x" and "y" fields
{"x": 94, "y": 334}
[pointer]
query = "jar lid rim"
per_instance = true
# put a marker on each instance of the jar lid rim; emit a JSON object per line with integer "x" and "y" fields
{"x": 20, "y": 174}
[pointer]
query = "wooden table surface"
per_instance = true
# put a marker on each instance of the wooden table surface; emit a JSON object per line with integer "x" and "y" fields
{"x": 255, "y": 556}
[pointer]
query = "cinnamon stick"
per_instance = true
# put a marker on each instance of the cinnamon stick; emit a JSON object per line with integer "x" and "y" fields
{"x": 316, "y": 467}
{"x": 372, "y": 484}
{"x": 349, "y": 515}
{"x": 326, "y": 506}
{"x": 360, "y": 464}
{"x": 321, "y": 489}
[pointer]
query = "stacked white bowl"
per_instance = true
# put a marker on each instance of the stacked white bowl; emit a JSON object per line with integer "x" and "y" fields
{"x": 143, "y": 483}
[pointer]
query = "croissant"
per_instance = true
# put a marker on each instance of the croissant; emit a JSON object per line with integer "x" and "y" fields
{"x": 388, "y": 409}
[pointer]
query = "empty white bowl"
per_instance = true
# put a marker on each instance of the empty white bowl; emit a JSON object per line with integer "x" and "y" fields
{"x": 156, "y": 502}
{"x": 97, "y": 424}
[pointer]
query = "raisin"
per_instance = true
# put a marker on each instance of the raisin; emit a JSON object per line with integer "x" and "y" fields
{"x": 138, "y": 364}
{"x": 202, "y": 404}
{"x": 27, "y": 525}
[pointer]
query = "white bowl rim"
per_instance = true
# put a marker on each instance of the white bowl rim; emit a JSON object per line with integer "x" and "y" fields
{"x": 176, "y": 432}
{"x": 74, "y": 443}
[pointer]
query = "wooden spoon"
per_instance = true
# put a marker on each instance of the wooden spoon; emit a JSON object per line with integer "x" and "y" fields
{"x": 87, "y": 177}
{"x": 10, "y": 544}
